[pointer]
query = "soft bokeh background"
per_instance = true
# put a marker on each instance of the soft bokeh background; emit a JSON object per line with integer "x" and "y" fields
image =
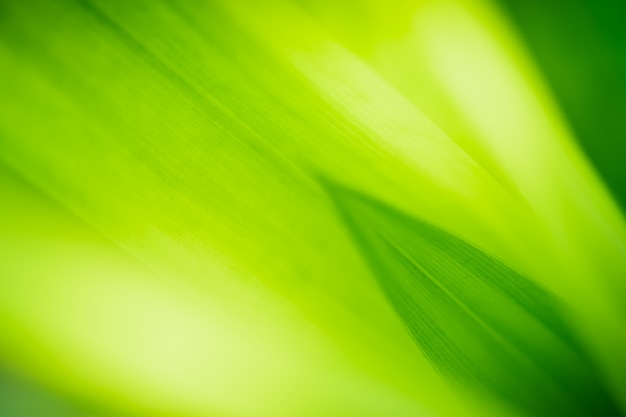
{"x": 580, "y": 47}
{"x": 176, "y": 238}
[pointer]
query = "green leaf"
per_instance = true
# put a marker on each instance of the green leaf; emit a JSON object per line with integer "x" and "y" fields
{"x": 479, "y": 322}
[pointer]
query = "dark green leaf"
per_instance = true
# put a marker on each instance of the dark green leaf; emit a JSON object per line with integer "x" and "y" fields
{"x": 478, "y": 321}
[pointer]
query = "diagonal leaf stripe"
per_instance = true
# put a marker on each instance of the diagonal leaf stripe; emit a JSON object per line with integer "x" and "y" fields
{"x": 478, "y": 321}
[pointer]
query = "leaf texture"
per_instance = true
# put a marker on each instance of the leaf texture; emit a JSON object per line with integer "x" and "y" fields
{"x": 479, "y": 322}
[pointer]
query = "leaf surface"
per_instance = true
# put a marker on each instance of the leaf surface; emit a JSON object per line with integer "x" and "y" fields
{"x": 478, "y": 321}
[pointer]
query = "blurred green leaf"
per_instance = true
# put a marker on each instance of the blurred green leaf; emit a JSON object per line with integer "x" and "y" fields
{"x": 580, "y": 46}
{"x": 478, "y": 321}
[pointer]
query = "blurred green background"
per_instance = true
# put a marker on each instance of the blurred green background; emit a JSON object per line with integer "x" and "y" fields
{"x": 580, "y": 46}
{"x": 312, "y": 208}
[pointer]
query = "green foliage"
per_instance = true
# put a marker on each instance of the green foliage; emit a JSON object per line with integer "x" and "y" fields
{"x": 476, "y": 319}
{"x": 169, "y": 251}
